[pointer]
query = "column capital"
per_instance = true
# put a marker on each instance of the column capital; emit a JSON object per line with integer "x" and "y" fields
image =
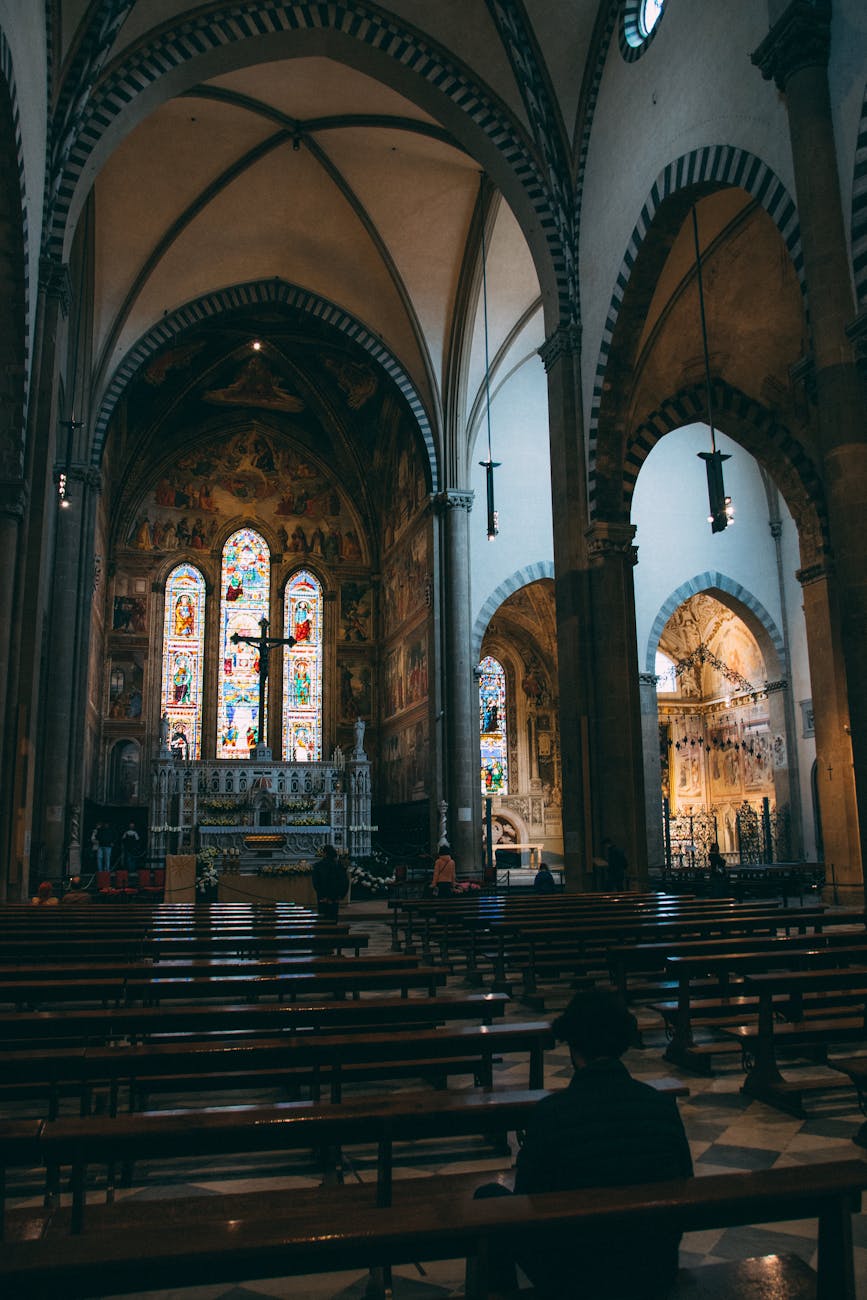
{"x": 800, "y": 38}
{"x": 780, "y": 684}
{"x": 14, "y": 495}
{"x": 89, "y": 475}
{"x": 607, "y": 540}
{"x": 819, "y": 571}
{"x": 648, "y": 679}
{"x": 776, "y": 527}
{"x": 452, "y": 499}
{"x": 54, "y": 280}
{"x": 564, "y": 342}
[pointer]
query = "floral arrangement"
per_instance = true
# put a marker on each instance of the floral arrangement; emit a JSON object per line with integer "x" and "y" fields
{"x": 307, "y": 819}
{"x": 207, "y": 871}
{"x": 301, "y": 868}
{"x": 168, "y": 830}
{"x": 466, "y": 887}
{"x": 302, "y": 805}
{"x": 374, "y": 884}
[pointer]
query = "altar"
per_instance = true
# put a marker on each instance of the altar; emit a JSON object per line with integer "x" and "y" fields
{"x": 235, "y": 887}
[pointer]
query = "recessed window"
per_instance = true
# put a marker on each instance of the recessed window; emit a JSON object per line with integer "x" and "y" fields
{"x": 640, "y": 20}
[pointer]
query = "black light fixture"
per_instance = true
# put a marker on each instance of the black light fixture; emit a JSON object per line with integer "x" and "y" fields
{"x": 721, "y": 509}
{"x": 490, "y": 464}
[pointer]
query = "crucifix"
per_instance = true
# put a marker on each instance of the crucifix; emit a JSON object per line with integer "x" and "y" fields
{"x": 264, "y": 644}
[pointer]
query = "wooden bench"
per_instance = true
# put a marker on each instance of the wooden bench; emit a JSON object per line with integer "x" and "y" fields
{"x": 103, "y": 1025}
{"x": 243, "y": 1063}
{"x": 443, "y": 1226}
{"x": 738, "y": 960}
{"x": 759, "y": 1042}
{"x": 151, "y": 989}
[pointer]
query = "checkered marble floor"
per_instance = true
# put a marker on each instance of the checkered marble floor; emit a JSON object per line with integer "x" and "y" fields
{"x": 727, "y": 1132}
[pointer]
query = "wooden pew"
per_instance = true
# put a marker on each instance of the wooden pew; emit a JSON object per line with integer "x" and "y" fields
{"x": 182, "y": 1134}
{"x": 760, "y": 1042}
{"x": 153, "y": 988}
{"x": 443, "y": 1226}
{"x": 684, "y": 1051}
{"x": 312, "y": 1058}
{"x": 103, "y": 1025}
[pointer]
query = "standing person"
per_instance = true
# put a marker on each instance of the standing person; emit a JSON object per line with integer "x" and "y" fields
{"x": 104, "y": 846}
{"x": 605, "y": 1129}
{"x": 544, "y": 882}
{"x": 718, "y": 872}
{"x": 75, "y": 894}
{"x": 130, "y": 846}
{"x": 615, "y": 875}
{"x": 330, "y": 882}
{"x": 444, "y": 872}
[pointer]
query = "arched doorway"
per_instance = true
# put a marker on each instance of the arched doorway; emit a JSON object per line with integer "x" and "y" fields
{"x": 519, "y": 729}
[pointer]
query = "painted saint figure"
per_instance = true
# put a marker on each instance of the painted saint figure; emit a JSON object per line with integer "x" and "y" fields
{"x": 185, "y": 616}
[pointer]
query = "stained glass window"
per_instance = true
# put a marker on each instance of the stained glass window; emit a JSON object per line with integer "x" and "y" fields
{"x": 245, "y": 584}
{"x": 302, "y": 670}
{"x": 183, "y": 646}
{"x": 492, "y": 725}
{"x": 649, "y": 15}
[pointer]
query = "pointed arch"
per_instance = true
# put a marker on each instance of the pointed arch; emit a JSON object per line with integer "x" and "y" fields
{"x": 492, "y": 727}
{"x": 183, "y": 657}
{"x": 362, "y": 33}
{"x": 709, "y": 168}
{"x": 302, "y": 668}
{"x": 245, "y": 591}
{"x": 15, "y": 261}
{"x": 256, "y": 293}
{"x": 757, "y": 429}
{"x": 520, "y": 578}
{"x": 859, "y": 210}
{"x": 738, "y": 599}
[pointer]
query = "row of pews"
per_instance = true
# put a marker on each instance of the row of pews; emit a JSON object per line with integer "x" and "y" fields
{"x": 104, "y": 1013}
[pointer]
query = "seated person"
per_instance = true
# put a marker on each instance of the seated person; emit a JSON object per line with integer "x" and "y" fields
{"x": 45, "y": 896}
{"x": 543, "y": 881}
{"x": 75, "y": 893}
{"x": 605, "y": 1129}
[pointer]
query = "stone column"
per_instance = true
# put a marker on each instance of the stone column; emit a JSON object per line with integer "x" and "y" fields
{"x": 837, "y": 795}
{"x": 560, "y": 356}
{"x": 617, "y": 732}
{"x": 65, "y": 689}
{"x": 13, "y": 503}
{"x": 461, "y": 750}
{"x": 795, "y": 55}
{"x": 649, "y": 707}
{"x": 31, "y": 579}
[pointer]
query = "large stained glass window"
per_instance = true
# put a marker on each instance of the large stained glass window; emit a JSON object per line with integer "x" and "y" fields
{"x": 302, "y": 670}
{"x": 245, "y": 584}
{"x": 492, "y": 725}
{"x": 183, "y": 645}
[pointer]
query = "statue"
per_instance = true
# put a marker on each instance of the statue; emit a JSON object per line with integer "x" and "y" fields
{"x": 359, "y": 738}
{"x": 164, "y": 736}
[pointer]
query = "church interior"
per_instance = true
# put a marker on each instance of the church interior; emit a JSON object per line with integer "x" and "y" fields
{"x": 436, "y": 423}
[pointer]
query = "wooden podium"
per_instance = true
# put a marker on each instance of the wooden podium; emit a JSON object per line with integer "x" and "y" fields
{"x": 180, "y": 878}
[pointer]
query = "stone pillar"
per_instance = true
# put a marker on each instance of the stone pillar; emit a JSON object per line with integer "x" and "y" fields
{"x": 649, "y": 707}
{"x": 560, "y": 355}
{"x": 461, "y": 708}
{"x": 13, "y": 503}
{"x": 617, "y": 734}
{"x": 795, "y": 55}
{"x": 66, "y": 688}
{"x": 31, "y": 579}
{"x": 833, "y": 752}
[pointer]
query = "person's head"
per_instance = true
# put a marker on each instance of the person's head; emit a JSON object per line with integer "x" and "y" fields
{"x": 596, "y": 1024}
{"x": 329, "y": 851}
{"x": 443, "y": 849}
{"x": 45, "y": 890}
{"x": 543, "y": 866}
{"x": 132, "y": 826}
{"x": 714, "y": 848}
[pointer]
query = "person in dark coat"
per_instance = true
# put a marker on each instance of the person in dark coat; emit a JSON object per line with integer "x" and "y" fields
{"x": 543, "y": 881}
{"x": 605, "y": 1129}
{"x": 330, "y": 882}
